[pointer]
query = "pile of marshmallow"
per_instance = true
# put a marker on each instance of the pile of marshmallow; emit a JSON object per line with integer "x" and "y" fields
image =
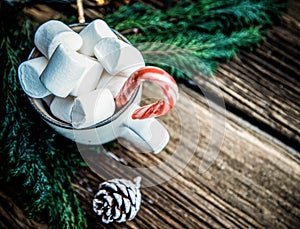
{"x": 79, "y": 74}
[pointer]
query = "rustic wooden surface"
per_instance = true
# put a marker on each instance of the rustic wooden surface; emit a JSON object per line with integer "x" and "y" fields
{"x": 253, "y": 183}
{"x": 263, "y": 86}
{"x": 255, "y": 180}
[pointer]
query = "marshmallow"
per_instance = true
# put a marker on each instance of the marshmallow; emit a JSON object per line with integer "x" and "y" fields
{"x": 52, "y": 33}
{"x": 89, "y": 79}
{"x": 66, "y": 68}
{"x": 92, "y": 33}
{"x": 91, "y": 108}
{"x": 113, "y": 83}
{"x": 48, "y": 99}
{"x": 104, "y": 79}
{"x": 62, "y": 107}
{"x": 29, "y": 76}
{"x": 128, "y": 71}
{"x": 116, "y": 55}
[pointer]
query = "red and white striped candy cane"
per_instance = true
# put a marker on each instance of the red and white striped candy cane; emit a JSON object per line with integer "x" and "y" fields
{"x": 155, "y": 75}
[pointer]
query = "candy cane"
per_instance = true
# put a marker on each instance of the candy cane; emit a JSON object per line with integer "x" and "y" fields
{"x": 155, "y": 75}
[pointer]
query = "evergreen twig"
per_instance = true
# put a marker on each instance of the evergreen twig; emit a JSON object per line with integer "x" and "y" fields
{"x": 213, "y": 31}
{"x": 30, "y": 152}
{"x": 189, "y": 38}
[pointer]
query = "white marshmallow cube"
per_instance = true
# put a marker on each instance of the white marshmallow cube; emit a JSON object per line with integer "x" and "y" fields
{"x": 92, "y": 108}
{"x": 116, "y": 55}
{"x": 62, "y": 107}
{"x": 52, "y": 33}
{"x": 104, "y": 79}
{"x": 29, "y": 76}
{"x": 113, "y": 83}
{"x": 89, "y": 79}
{"x": 66, "y": 69}
{"x": 48, "y": 99}
{"x": 92, "y": 33}
{"x": 128, "y": 71}
{"x": 62, "y": 72}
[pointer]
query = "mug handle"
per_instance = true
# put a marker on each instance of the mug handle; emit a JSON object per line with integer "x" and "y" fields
{"x": 148, "y": 133}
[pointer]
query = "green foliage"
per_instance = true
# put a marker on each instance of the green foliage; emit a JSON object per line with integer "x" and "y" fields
{"x": 188, "y": 39}
{"x": 30, "y": 153}
{"x": 206, "y": 32}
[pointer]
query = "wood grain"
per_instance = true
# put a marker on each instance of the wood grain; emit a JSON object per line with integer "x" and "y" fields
{"x": 263, "y": 86}
{"x": 254, "y": 180}
{"x": 12, "y": 216}
{"x": 253, "y": 183}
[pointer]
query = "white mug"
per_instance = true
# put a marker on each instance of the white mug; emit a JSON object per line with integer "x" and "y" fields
{"x": 148, "y": 134}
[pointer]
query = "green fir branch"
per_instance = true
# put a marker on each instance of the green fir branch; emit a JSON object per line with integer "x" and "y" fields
{"x": 214, "y": 31}
{"x": 30, "y": 152}
{"x": 190, "y": 39}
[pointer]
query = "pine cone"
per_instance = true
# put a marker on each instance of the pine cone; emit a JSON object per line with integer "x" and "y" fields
{"x": 117, "y": 200}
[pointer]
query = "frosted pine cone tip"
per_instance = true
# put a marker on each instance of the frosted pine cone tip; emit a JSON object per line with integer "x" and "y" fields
{"x": 117, "y": 200}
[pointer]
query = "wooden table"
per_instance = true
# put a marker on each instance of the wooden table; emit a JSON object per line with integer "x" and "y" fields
{"x": 236, "y": 167}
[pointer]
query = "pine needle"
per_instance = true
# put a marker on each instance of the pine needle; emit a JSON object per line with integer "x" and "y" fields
{"x": 188, "y": 40}
{"x": 213, "y": 31}
{"x": 30, "y": 155}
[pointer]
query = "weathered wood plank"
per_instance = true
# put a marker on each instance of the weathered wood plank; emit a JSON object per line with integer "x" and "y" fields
{"x": 253, "y": 183}
{"x": 263, "y": 86}
{"x": 11, "y": 216}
